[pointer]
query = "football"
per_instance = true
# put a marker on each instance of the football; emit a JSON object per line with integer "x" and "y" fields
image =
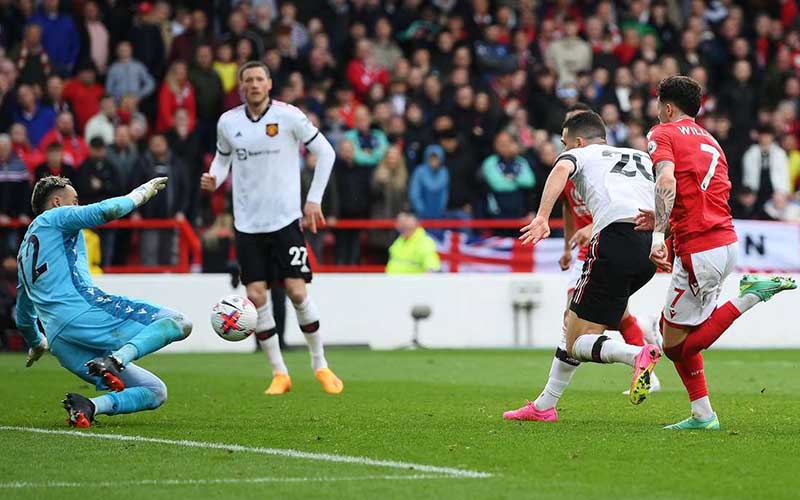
{"x": 234, "y": 318}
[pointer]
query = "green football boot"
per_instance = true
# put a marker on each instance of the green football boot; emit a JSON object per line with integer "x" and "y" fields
{"x": 765, "y": 288}
{"x": 695, "y": 424}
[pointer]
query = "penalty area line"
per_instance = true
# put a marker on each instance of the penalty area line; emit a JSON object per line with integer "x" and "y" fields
{"x": 324, "y": 457}
{"x": 212, "y": 482}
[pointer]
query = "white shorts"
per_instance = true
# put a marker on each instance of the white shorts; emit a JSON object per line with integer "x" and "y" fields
{"x": 575, "y": 271}
{"x": 697, "y": 283}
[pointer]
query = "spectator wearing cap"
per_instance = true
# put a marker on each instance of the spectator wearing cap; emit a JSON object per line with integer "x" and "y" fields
{"x": 176, "y": 93}
{"x": 97, "y": 178}
{"x": 148, "y": 44}
{"x": 765, "y": 168}
{"x": 37, "y": 119}
{"x": 102, "y": 124}
{"x": 75, "y": 148}
{"x": 430, "y": 185}
{"x": 31, "y": 58}
{"x": 184, "y": 46}
{"x": 462, "y": 167}
{"x": 31, "y": 156}
{"x": 98, "y": 36}
{"x": 54, "y": 163}
{"x": 15, "y": 188}
{"x": 370, "y": 144}
{"x": 509, "y": 179}
{"x": 84, "y": 94}
{"x": 59, "y": 36}
{"x": 571, "y": 54}
{"x": 128, "y": 75}
{"x": 363, "y": 71}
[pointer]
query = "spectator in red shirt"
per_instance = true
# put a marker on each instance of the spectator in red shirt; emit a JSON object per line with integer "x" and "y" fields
{"x": 362, "y": 72}
{"x": 75, "y": 148}
{"x": 176, "y": 93}
{"x": 84, "y": 94}
{"x": 31, "y": 156}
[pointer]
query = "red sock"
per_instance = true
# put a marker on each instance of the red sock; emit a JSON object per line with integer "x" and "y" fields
{"x": 692, "y": 375}
{"x": 631, "y": 331}
{"x": 707, "y": 332}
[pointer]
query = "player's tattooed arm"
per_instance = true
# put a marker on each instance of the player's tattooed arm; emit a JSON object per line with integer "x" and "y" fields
{"x": 665, "y": 194}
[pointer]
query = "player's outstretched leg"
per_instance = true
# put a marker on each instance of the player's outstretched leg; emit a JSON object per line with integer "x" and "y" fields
{"x": 543, "y": 409}
{"x": 266, "y": 334}
{"x": 308, "y": 319}
{"x": 168, "y": 327}
{"x": 144, "y": 391}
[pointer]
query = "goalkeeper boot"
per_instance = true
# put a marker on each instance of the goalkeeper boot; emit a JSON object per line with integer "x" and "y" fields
{"x": 330, "y": 382}
{"x": 80, "y": 410}
{"x": 695, "y": 424}
{"x": 531, "y": 413}
{"x": 643, "y": 366}
{"x": 765, "y": 288}
{"x": 281, "y": 384}
{"x": 108, "y": 369}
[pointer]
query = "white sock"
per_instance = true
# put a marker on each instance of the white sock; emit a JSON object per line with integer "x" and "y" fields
{"x": 272, "y": 348}
{"x": 558, "y": 380}
{"x": 308, "y": 315}
{"x": 612, "y": 351}
{"x": 745, "y": 302}
{"x": 265, "y": 321}
{"x": 316, "y": 350}
{"x": 701, "y": 408}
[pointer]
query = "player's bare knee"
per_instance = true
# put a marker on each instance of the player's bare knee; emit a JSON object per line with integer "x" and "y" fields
{"x": 296, "y": 293}
{"x": 257, "y": 293}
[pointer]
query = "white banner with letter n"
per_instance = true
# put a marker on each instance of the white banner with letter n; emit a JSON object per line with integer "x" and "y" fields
{"x": 766, "y": 247}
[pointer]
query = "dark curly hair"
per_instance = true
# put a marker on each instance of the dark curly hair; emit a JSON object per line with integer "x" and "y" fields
{"x": 45, "y": 187}
{"x": 681, "y": 91}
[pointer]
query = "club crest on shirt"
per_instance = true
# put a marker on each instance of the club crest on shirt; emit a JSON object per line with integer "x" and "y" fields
{"x": 272, "y": 129}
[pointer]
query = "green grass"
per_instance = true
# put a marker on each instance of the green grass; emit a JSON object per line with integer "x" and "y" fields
{"x": 431, "y": 407}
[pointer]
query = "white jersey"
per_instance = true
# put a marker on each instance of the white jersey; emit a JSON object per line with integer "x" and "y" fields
{"x": 265, "y": 157}
{"x": 613, "y": 182}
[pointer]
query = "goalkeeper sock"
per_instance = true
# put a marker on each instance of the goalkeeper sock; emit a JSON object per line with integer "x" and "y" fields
{"x": 601, "y": 349}
{"x": 130, "y": 400}
{"x": 561, "y": 371}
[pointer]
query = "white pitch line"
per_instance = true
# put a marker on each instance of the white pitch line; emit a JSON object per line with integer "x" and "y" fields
{"x": 325, "y": 457}
{"x": 204, "y": 482}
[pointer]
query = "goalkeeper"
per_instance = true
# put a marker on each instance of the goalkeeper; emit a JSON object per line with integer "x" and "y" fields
{"x": 94, "y": 335}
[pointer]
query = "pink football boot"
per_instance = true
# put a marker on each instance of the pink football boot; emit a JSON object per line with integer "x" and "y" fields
{"x": 531, "y": 413}
{"x": 643, "y": 366}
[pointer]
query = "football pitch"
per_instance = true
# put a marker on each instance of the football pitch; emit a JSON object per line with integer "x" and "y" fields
{"x": 413, "y": 424}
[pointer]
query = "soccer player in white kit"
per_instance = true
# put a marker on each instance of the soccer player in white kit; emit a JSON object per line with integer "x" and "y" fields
{"x": 261, "y": 140}
{"x": 614, "y": 183}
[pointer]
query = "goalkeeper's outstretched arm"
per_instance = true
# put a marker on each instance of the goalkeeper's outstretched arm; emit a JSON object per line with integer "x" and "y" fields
{"x": 75, "y": 218}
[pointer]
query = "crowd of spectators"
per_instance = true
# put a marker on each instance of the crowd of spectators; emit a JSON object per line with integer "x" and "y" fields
{"x": 449, "y": 108}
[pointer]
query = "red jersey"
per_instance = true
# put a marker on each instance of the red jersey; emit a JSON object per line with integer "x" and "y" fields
{"x": 701, "y": 218}
{"x": 580, "y": 214}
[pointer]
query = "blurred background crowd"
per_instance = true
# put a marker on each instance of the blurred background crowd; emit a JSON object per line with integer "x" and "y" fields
{"x": 449, "y": 108}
